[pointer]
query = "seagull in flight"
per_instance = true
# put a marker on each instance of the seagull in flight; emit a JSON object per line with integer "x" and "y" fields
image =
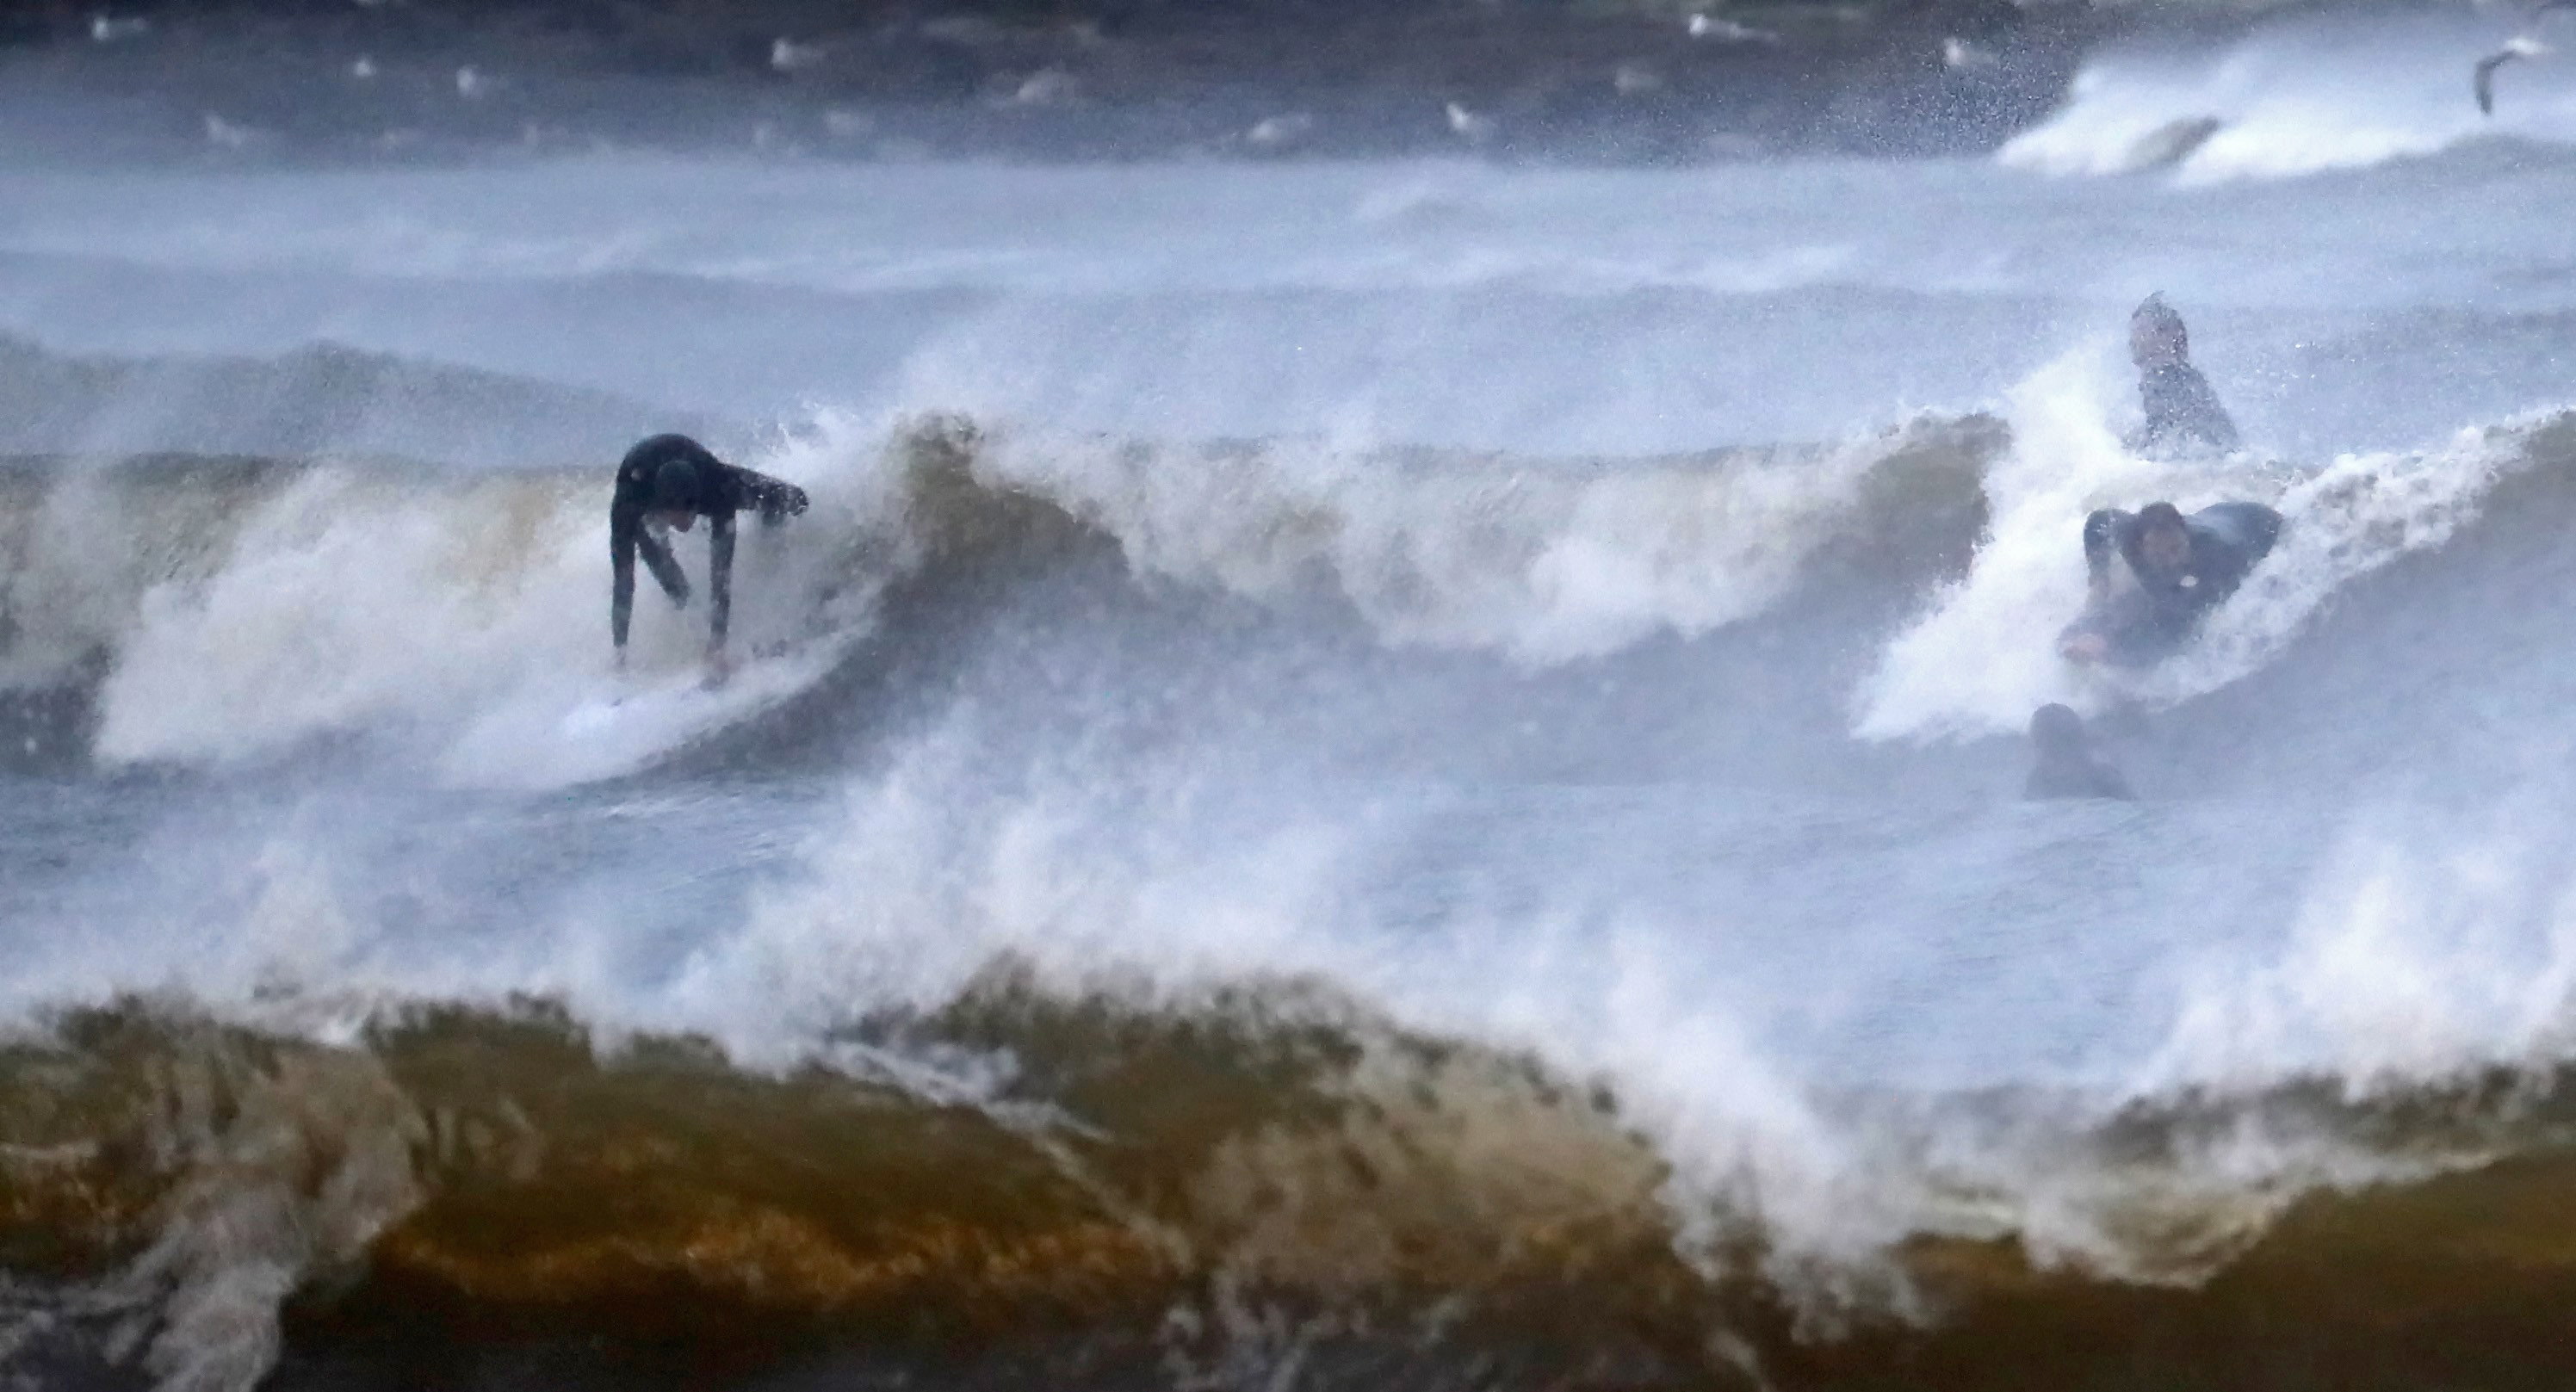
{"x": 2522, "y": 46}
{"x": 787, "y": 55}
{"x": 225, "y": 135}
{"x": 1959, "y": 53}
{"x": 1273, "y": 132}
{"x": 1706, "y": 26}
{"x": 2484, "y": 82}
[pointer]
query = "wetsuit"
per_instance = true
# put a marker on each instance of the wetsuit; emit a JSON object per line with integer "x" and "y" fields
{"x": 2149, "y": 623}
{"x": 723, "y": 490}
{"x": 2183, "y": 414}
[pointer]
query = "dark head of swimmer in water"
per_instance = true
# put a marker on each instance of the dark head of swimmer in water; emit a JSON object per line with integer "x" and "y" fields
{"x": 2183, "y": 416}
{"x": 2067, "y": 766}
{"x": 2182, "y": 567}
{"x": 667, "y": 483}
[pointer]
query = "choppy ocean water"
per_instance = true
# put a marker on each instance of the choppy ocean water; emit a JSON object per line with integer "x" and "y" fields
{"x": 1363, "y": 774}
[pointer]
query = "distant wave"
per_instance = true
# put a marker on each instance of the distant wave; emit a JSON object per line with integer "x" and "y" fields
{"x": 2297, "y": 96}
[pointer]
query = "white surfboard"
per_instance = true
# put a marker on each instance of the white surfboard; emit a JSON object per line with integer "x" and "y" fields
{"x": 582, "y": 731}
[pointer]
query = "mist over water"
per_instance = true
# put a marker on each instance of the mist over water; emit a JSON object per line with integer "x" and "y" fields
{"x": 1352, "y": 757}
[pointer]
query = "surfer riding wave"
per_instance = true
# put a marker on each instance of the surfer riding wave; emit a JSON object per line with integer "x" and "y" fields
{"x": 668, "y": 482}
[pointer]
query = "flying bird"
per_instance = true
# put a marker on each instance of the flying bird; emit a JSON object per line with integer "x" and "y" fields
{"x": 787, "y": 55}
{"x": 1274, "y": 132}
{"x": 2484, "y": 83}
{"x": 1045, "y": 87}
{"x": 1467, "y": 125}
{"x": 2524, "y": 46}
{"x": 225, "y": 135}
{"x": 1633, "y": 79}
{"x": 1711, "y": 27}
{"x": 1959, "y": 53}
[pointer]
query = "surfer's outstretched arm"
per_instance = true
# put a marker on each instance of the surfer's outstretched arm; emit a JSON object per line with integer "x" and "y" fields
{"x": 775, "y": 499}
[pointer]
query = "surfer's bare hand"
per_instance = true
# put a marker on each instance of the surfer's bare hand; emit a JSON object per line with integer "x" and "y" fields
{"x": 2083, "y": 647}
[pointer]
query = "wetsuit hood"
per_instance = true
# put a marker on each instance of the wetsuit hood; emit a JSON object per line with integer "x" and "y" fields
{"x": 2157, "y": 335}
{"x": 676, "y": 487}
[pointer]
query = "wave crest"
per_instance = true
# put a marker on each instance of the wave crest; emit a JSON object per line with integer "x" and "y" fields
{"x": 236, "y": 611}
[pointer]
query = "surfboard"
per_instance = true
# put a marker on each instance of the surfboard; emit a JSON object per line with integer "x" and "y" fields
{"x": 587, "y": 729}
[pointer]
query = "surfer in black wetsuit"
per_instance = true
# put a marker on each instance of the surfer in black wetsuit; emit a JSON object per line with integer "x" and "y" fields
{"x": 2182, "y": 568}
{"x": 2067, "y": 766}
{"x": 2183, "y": 414}
{"x": 670, "y": 481}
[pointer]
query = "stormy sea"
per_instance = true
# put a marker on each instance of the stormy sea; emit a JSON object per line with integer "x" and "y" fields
{"x": 1390, "y": 756}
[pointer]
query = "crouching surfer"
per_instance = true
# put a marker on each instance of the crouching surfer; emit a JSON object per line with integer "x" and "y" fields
{"x": 667, "y": 483}
{"x": 2067, "y": 767}
{"x": 2180, "y": 568}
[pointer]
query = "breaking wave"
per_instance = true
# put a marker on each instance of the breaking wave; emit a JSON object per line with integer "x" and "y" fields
{"x": 1009, "y": 1094}
{"x": 177, "y": 611}
{"x": 1263, "y": 1180}
{"x": 1971, "y": 662}
{"x": 173, "y": 610}
{"x": 231, "y": 612}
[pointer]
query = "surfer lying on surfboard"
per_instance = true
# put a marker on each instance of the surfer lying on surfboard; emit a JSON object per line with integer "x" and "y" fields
{"x": 670, "y": 481}
{"x": 2182, "y": 567}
